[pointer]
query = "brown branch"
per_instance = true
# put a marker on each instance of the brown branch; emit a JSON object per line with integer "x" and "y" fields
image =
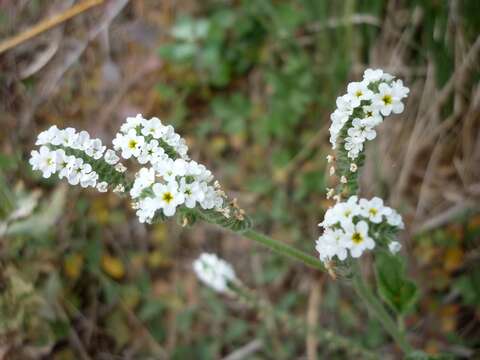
{"x": 47, "y": 24}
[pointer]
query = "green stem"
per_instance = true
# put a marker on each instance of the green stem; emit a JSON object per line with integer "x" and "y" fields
{"x": 283, "y": 249}
{"x": 376, "y": 309}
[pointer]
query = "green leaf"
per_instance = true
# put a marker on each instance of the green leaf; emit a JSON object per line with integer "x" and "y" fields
{"x": 393, "y": 286}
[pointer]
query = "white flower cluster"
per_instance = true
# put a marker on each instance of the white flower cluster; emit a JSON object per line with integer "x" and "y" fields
{"x": 57, "y": 155}
{"x": 169, "y": 179}
{"x": 214, "y": 272}
{"x": 348, "y": 227}
{"x": 363, "y": 107}
{"x": 171, "y": 183}
{"x": 172, "y": 179}
{"x": 146, "y": 139}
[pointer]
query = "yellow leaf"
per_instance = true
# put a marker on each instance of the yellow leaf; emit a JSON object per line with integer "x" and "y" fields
{"x": 113, "y": 267}
{"x": 73, "y": 265}
{"x": 453, "y": 259}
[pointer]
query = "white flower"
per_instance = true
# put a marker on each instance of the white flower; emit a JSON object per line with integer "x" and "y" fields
{"x": 361, "y": 130}
{"x": 111, "y": 157}
{"x": 95, "y": 149}
{"x": 388, "y": 100}
{"x": 358, "y": 238}
{"x": 353, "y": 167}
{"x": 192, "y": 192}
{"x": 395, "y": 219}
{"x": 47, "y": 136}
{"x": 371, "y": 75}
{"x": 130, "y": 144}
{"x": 332, "y": 243}
{"x": 102, "y": 186}
{"x": 214, "y": 272}
{"x": 120, "y": 168}
{"x": 399, "y": 90}
{"x": 143, "y": 179}
{"x": 132, "y": 123}
{"x": 358, "y": 91}
{"x": 89, "y": 179}
{"x": 75, "y": 171}
{"x": 146, "y": 209}
{"x": 372, "y": 209}
{"x": 66, "y": 137}
{"x": 81, "y": 141}
{"x": 153, "y": 127}
{"x": 44, "y": 160}
{"x": 394, "y": 247}
{"x": 150, "y": 152}
{"x": 63, "y": 162}
{"x": 168, "y": 197}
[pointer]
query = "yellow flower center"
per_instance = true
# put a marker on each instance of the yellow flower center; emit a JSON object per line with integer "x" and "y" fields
{"x": 357, "y": 238}
{"x": 49, "y": 161}
{"x": 358, "y": 93}
{"x": 387, "y": 99}
{"x": 167, "y": 197}
{"x": 347, "y": 213}
{"x": 132, "y": 144}
{"x": 373, "y": 211}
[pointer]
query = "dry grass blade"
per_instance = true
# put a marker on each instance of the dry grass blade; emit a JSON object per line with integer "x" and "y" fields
{"x": 48, "y": 24}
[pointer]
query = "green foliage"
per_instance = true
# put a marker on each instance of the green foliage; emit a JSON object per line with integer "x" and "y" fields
{"x": 394, "y": 287}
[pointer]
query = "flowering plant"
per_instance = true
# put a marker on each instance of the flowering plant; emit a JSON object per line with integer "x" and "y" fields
{"x": 163, "y": 181}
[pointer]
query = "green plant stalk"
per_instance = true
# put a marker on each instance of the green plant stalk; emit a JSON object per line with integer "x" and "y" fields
{"x": 283, "y": 249}
{"x": 376, "y": 308}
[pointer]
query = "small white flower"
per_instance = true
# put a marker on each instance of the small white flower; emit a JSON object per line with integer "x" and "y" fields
{"x": 395, "y": 219}
{"x": 153, "y": 127}
{"x": 102, "y": 186}
{"x": 353, "y": 167}
{"x": 214, "y": 272}
{"x": 358, "y": 91}
{"x": 371, "y": 75}
{"x": 372, "y": 209}
{"x": 388, "y": 100}
{"x": 329, "y": 159}
{"x": 192, "y": 192}
{"x": 343, "y": 179}
{"x": 130, "y": 144}
{"x": 358, "y": 238}
{"x": 47, "y": 136}
{"x": 132, "y": 123}
{"x": 120, "y": 168}
{"x": 332, "y": 170}
{"x": 168, "y": 197}
{"x": 143, "y": 179}
{"x": 394, "y": 247}
{"x": 361, "y": 130}
{"x": 75, "y": 171}
{"x": 95, "y": 148}
{"x": 333, "y": 242}
{"x": 44, "y": 160}
{"x": 111, "y": 157}
{"x": 89, "y": 178}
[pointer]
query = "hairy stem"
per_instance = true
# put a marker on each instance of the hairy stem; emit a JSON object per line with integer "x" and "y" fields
{"x": 284, "y": 249}
{"x": 376, "y": 309}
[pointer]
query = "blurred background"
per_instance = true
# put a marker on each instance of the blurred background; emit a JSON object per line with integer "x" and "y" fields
{"x": 250, "y": 85}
